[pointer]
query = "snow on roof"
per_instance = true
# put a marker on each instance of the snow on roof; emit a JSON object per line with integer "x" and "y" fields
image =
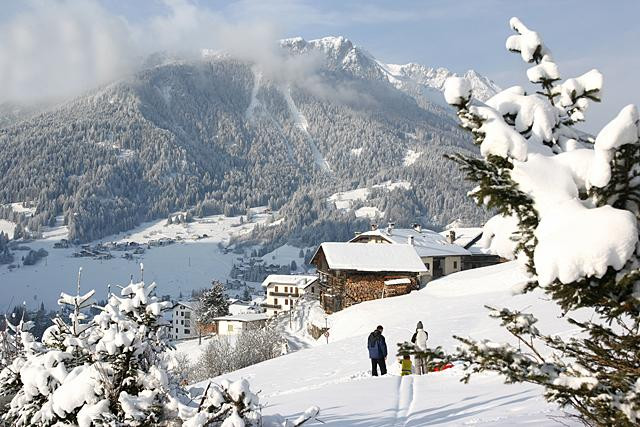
{"x": 298, "y": 280}
{"x": 392, "y": 282}
{"x": 465, "y": 237}
{"x": 425, "y": 242}
{"x": 371, "y": 257}
{"x": 188, "y": 304}
{"x": 244, "y": 317}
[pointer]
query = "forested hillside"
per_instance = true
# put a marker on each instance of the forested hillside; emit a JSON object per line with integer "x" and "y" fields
{"x": 216, "y": 136}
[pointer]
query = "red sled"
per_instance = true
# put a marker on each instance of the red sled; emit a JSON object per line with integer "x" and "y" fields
{"x": 442, "y": 367}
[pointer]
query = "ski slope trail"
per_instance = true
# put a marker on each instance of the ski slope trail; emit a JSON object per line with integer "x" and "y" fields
{"x": 300, "y": 122}
{"x": 406, "y": 394}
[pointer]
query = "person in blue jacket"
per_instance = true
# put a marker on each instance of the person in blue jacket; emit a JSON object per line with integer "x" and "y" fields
{"x": 377, "y": 351}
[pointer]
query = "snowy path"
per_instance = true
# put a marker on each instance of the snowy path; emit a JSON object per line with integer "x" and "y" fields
{"x": 406, "y": 395}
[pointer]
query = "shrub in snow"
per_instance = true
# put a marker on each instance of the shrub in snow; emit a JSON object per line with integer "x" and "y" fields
{"x": 233, "y": 404}
{"x": 226, "y": 354}
{"x": 569, "y": 206}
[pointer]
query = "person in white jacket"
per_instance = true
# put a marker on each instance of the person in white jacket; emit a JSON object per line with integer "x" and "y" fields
{"x": 419, "y": 339}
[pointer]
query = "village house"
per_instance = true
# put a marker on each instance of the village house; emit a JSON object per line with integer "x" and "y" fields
{"x": 282, "y": 291}
{"x": 235, "y": 324}
{"x": 350, "y": 273}
{"x": 470, "y": 238}
{"x": 442, "y": 254}
{"x": 183, "y": 323}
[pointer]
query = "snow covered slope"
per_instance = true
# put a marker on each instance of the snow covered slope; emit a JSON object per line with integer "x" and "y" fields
{"x": 336, "y": 375}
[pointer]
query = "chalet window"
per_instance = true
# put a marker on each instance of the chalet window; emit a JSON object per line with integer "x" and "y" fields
{"x": 286, "y": 302}
{"x": 455, "y": 264}
{"x": 275, "y": 289}
{"x": 286, "y": 289}
{"x": 187, "y": 331}
{"x": 275, "y": 301}
{"x": 187, "y": 315}
{"x": 426, "y": 264}
{"x": 182, "y": 313}
{"x": 176, "y": 329}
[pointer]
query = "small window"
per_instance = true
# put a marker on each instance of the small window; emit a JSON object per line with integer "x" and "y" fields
{"x": 286, "y": 302}
{"x": 230, "y": 327}
{"x": 176, "y": 329}
{"x": 275, "y": 313}
{"x": 187, "y": 323}
{"x": 182, "y": 322}
{"x": 455, "y": 264}
{"x": 187, "y": 331}
{"x": 286, "y": 289}
{"x": 426, "y": 264}
{"x": 187, "y": 315}
{"x": 275, "y": 301}
{"x": 275, "y": 288}
{"x": 182, "y": 313}
{"x": 312, "y": 289}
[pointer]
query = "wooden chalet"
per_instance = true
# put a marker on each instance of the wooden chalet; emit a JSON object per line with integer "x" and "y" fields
{"x": 351, "y": 273}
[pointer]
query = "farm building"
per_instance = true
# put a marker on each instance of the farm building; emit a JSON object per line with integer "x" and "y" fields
{"x": 350, "y": 274}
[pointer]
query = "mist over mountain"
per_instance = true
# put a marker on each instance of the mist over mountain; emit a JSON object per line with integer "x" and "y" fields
{"x": 221, "y": 134}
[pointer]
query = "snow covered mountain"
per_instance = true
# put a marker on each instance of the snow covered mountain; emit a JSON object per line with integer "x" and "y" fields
{"x": 415, "y": 79}
{"x": 220, "y": 134}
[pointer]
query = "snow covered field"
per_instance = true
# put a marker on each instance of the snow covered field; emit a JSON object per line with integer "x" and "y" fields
{"x": 345, "y": 200}
{"x": 336, "y": 376}
{"x": 189, "y": 263}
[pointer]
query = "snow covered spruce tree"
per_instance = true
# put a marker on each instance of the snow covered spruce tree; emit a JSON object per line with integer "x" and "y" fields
{"x": 212, "y": 303}
{"x": 568, "y": 210}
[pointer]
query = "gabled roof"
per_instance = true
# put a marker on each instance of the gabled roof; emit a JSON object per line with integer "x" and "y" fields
{"x": 187, "y": 304}
{"x": 467, "y": 237}
{"x": 371, "y": 257}
{"x": 426, "y": 242}
{"x": 298, "y": 280}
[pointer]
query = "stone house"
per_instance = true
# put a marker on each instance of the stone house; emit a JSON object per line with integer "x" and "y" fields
{"x": 350, "y": 273}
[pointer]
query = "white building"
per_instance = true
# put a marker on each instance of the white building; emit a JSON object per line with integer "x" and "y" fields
{"x": 183, "y": 321}
{"x": 439, "y": 255}
{"x": 234, "y": 324}
{"x": 282, "y": 291}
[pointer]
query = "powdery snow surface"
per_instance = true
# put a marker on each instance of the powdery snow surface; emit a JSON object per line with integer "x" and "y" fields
{"x": 344, "y": 200}
{"x": 336, "y": 376}
{"x": 370, "y": 212}
{"x": 7, "y": 227}
{"x": 189, "y": 263}
{"x": 411, "y": 157}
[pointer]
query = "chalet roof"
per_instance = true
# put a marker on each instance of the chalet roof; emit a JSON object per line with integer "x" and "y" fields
{"x": 425, "y": 242}
{"x": 403, "y": 281}
{"x": 188, "y": 304}
{"x": 371, "y": 257}
{"x": 298, "y": 280}
{"x": 244, "y": 317}
{"x": 468, "y": 238}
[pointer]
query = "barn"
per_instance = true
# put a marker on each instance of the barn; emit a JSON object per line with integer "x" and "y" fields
{"x": 351, "y": 273}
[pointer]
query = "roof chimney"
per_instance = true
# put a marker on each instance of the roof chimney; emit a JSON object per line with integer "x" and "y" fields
{"x": 417, "y": 227}
{"x": 451, "y": 237}
{"x": 410, "y": 240}
{"x": 374, "y": 227}
{"x": 390, "y": 227}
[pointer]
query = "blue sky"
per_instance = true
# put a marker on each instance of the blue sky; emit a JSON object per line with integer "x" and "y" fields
{"x": 458, "y": 35}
